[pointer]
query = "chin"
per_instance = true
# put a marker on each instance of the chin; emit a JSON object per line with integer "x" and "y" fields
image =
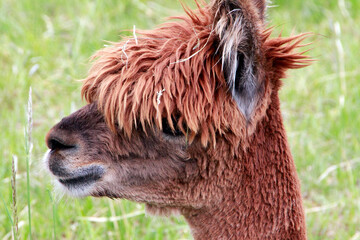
{"x": 72, "y": 191}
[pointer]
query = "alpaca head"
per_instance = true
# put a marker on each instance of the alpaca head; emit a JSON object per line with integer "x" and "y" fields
{"x": 169, "y": 109}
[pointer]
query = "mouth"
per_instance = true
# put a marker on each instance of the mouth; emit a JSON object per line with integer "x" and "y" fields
{"x": 82, "y": 177}
{"x": 73, "y": 181}
{"x": 80, "y": 180}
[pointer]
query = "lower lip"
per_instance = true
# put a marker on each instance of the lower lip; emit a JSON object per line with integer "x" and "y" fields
{"x": 82, "y": 180}
{"x": 92, "y": 175}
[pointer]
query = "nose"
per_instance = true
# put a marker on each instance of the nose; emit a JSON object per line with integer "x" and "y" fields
{"x": 58, "y": 140}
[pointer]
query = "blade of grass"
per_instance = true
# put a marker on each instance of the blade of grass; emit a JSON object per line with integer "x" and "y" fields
{"x": 28, "y": 149}
{"x": 13, "y": 186}
{"x": 124, "y": 217}
{"x": 113, "y": 214}
{"x": 7, "y": 210}
{"x": 54, "y": 212}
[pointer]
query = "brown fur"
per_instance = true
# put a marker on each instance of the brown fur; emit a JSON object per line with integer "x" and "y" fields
{"x": 126, "y": 86}
{"x": 232, "y": 174}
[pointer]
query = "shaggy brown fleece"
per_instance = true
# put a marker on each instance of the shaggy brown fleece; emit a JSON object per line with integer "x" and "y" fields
{"x": 182, "y": 58}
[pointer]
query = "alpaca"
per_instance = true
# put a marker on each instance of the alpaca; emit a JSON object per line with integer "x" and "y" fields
{"x": 186, "y": 119}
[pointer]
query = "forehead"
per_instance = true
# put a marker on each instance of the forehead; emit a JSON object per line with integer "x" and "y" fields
{"x": 178, "y": 70}
{"x": 172, "y": 70}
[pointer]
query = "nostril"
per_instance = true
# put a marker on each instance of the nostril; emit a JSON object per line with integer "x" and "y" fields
{"x": 55, "y": 144}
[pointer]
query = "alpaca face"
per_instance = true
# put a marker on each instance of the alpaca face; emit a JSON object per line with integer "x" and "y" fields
{"x": 170, "y": 110}
{"x": 87, "y": 158}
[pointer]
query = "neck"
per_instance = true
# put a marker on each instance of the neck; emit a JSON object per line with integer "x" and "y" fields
{"x": 264, "y": 201}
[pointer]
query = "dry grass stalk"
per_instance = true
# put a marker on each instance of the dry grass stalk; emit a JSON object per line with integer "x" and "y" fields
{"x": 113, "y": 218}
{"x": 28, "y": 148}
{"x": 13, "y": 187}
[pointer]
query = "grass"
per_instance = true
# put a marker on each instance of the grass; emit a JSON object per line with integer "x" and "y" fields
{"x": 47, "y": 44}
{"x": 28, "y": 150}
{"x": 15, "y": 219}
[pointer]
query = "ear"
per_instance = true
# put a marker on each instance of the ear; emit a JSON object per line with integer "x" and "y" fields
{"x": 238, "y": 47}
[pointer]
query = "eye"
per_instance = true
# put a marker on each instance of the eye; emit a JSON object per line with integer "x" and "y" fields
{"x": 166, "y": 129}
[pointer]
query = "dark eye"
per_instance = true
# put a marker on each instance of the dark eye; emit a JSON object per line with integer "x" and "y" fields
{"x": 168, "y": 131}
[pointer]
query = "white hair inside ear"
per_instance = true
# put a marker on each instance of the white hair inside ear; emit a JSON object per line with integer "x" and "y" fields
{"x": 236, "y": 46}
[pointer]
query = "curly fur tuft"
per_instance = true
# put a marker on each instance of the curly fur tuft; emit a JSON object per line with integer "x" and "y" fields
{"x": 181, "y": 59}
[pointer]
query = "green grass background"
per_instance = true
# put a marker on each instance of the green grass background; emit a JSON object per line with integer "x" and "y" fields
{"x": 46, "y": 44}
